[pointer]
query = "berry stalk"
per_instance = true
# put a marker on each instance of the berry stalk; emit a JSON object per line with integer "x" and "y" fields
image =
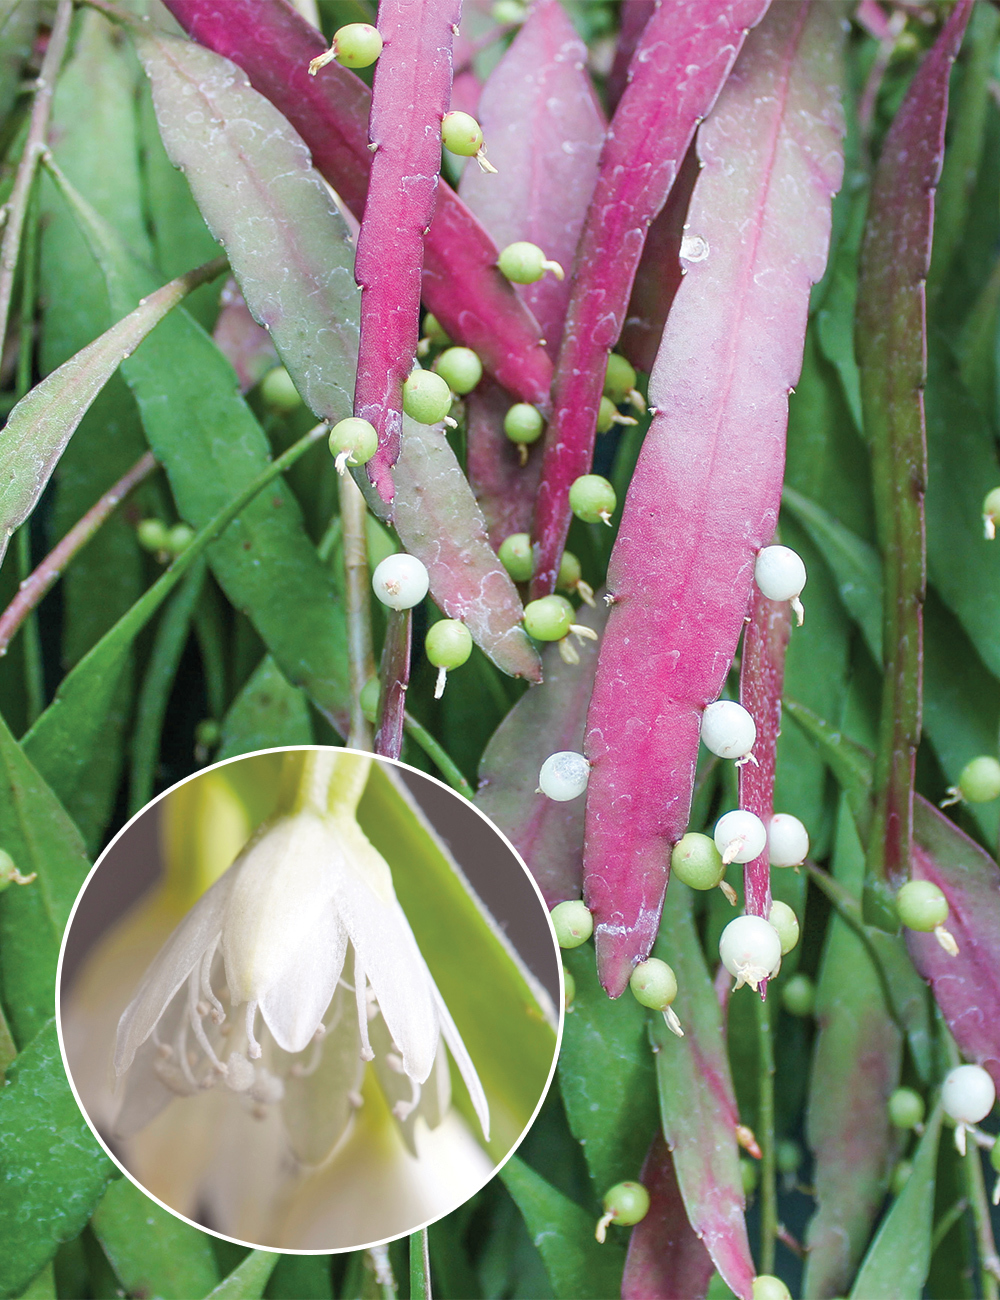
{"x": 410, "y": 95}
{"x": 394, "y": 677}
{"x": 649, "y": 134}
{"x": 891, "y": 346}
{"x": 695, "y": 515}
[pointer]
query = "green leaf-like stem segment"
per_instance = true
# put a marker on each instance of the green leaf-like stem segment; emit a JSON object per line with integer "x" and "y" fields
{"x": 891, "y": 345}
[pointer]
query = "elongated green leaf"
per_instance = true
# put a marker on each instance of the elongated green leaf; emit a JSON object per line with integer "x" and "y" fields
{"x": 152, "y": 1252}
{"x": 896, "y": 1265}
{"x": 43, "y": 422}
{"x": 39, "y": 836}
{"x": 52, "y": 1171}
{"x": 268, "y": 712}
{"x": 577, "y": 1266}
{"x": 62, "y": 739}
{"x": 18, "y": 21}
{"x": 248, "y": 1280}
{"x": 457, "y": 937}
{"x": 606, "y": 1077}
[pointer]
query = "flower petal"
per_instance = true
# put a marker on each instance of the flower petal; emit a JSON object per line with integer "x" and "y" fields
{"x": 175, "y": 961}
{"x": 294, "y": 1005}
{"x": 284, "y": 879}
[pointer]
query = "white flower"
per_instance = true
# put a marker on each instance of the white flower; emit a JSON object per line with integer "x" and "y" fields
{"x": 292, "y": 970}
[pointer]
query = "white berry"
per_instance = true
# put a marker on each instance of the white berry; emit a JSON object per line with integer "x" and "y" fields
{"x": 727, "y": 729}
{"x": 740, "y": 836}
{"x": 750, "y": 949}
{"x": 781, "y": 575}
{"x": 564, "y": 775}
{"x": 968, "y": 1094}
{"x": 400, "y": 581}
{"x": 787, "y": 841}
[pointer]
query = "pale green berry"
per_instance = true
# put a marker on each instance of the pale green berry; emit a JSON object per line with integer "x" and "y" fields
{"x": 524, "y": 263}
{"x": 995, "y": 1156}
{"x": 426, "y": 397}
{"x": 748, "y": 1175}
{"x": 572, "y": 923}
{"x": 569, "y": 988}
{"x": 278, "y": 390}
{"x": 592, "y": 499}
{"x": 906, "y": 1108}
{"x": 921, "y": 905}
{"x": 8, "y": 870}
{"x": 523, "y": 423}
{"x": 460, "y": 368}
{"x": 798, "y": 997}
{"x": 369, "y": 697}
{"x": 697, "y": 861}
{"x": 461, "y": 134}
{"x": 653, "y": 984}
{"x": 516, "y": 556}
{"x": 627, "y": 1203}
{"x": 153, "y": 535}
{"x": 619, "y": 378}
{"x": 353, "y": 441}
{"x": 570, "y": 572}
{"x": 357, "y": 45}
{"x": 179, "y": 538}
{"x": 448, "y": 643}
{"x": 991, "y": 513}
{"x": 980, "y": 780}
{"x": 508, "y": 12}
{"x": 768, "y": 1287}
{"x": 607, "y": 414}
{"x": 786, "y": 923}
{"x": 207, "y": 734}
{"x": 548, "y": 619}
{"x": 900, "y": 1176}
{"x": 433, "y": 332}
{"x": 787, "y": 1156}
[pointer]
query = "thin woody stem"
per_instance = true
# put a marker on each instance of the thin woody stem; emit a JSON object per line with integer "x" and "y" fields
{"x": 34, "y": 146}
{"x": 361, "y": 657}
{"x": 48, "y": 571}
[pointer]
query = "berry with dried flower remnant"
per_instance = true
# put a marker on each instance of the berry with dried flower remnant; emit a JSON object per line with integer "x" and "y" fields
{"x": 548, "y": 619}
{"x": 626, "y": 1203}
{"x": 352, "y": 442}
{"x": 460, "y": 368}
{"x": 991, "y": 513}
{"x": 979, "y": 782}
{"x": 787, "y": 841}
{"x": 739, "y": 836}
{"x": 592, "y": 499}
{"x": 768, "y": 1287}
{"x": 570, "y": 578}
{"x": 781, "y": 575}
{"x": 524, "y": 263}
{"x": 448, "y": 645}
{"x": 516, "y": 556}
{"x": 523, "y": 425}
{"x": 9, "y": 874}
{"x": 750, "y": 949}
{"x": 967, "y": 1095}
{"x": 728, "y": 730}
{"x": 697, "y": 862}
{"x": 654, "y": 985}
{"x": 572, "y": 923}
{"x": 922, "y": 906}
{"x": 461, "y": 134}
{"x": 426, "y": 396}
{"x": 357, "y": 45}
{"x": 279, "y": 391}
{"x": 401, "y": 581}
{"x": 906, "y": 1108}
{"x": 619, "y": 383}
{"x": 786, "y": 923}
{"x": 433, "y": 336}
{"x": 564, "y": 775}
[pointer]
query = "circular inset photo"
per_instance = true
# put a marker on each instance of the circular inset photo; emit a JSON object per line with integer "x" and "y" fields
{"x": 308, "y": 999}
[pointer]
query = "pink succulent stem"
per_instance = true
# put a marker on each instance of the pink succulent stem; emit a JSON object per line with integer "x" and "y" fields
{"x": 410, "y": 96}
{"x": 666, "y": 1260}
{"x": 684, "y": 55}
{"x": 762, "y": 675}
{"x": 707, "y": 488}
{"x": 635, "y": 14}
{"x": 394, "y": 676}
{"x": 273, "y": 44}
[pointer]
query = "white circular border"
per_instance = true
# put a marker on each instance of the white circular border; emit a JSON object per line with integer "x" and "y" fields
{"x": 560, "y": 1008}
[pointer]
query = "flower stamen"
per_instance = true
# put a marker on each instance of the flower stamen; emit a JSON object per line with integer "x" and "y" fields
{"x": 195, "y": 1013}
{"x": 254, "y": 1048}
{"x": 404, "y": 1109}
{"x": 218, "y": 1014}
{"x": 361, "y": 995}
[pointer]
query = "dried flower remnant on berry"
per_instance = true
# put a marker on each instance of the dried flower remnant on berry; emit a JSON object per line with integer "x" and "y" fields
{"x": 991, "y": 512}
{"x": 968, "y": 1095}
{"x": 626, "y": 1203}
{"x": 564, "y": 776}
{"x": 401, "y": 581}
{"x": 922, "y": 906}
{"x": 461, "y": 134}
{"x": 524, "y": 263}
{"x": 654, "y": 985}
{"x": 356, "y": 45}
{"x": 728, "y": 730}
{"x": 352, "y": 442}
{"x": 448, "y": 645}
{"x": 781, "y": 575}
{"x": 979, "y": 782}
{"x": 572, "y": 923}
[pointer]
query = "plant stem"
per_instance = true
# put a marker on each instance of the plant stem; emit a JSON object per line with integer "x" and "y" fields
{"x": 26, "y": 168}
{"x": 394, "y": 673}
{"x": 975, "y": 1189}
{"x": 446, "y": 765}
{"x": 33, "y": 588}
{"x": 361, "y": 657}
{"x": 420, "y": 1266}
{"x": 765, "y": 1138}
{"x": 34, "y": 683}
